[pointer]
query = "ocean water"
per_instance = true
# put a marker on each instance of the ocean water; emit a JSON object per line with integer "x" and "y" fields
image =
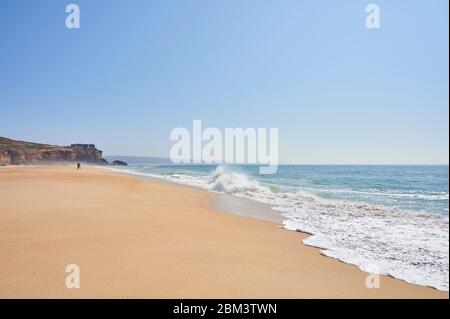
{"x": 391, "y": 220}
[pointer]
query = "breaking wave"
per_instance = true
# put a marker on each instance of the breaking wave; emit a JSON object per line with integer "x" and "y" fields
{"x": 408, "y": 245}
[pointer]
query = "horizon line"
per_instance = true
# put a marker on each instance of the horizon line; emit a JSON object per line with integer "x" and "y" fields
{"x": 284, "y": 163}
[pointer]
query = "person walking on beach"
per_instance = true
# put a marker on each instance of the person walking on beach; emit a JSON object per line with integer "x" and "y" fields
{"x": 78, "y": 165}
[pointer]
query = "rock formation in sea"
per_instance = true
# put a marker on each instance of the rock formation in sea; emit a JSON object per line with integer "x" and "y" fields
{"x": 14, "y": 152}
{"x": 120, "y": 163}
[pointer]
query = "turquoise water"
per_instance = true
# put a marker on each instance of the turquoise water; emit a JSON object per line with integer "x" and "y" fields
{"x": 417, "y": 188}
{"x": 384, "y": 219}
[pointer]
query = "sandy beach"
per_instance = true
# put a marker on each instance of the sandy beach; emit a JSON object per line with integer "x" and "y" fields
{"x": 135, "y": 238}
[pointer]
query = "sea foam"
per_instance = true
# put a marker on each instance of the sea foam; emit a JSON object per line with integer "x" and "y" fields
{"x": 404, "y": 244}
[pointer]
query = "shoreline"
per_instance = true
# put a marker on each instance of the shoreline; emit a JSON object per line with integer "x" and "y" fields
{"x": 226, "y": 255}
{"x": 242, "y": 206}
{"x": 227, "y": 203}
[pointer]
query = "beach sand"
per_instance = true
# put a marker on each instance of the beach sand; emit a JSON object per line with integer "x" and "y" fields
{"x": 134, "y": 238}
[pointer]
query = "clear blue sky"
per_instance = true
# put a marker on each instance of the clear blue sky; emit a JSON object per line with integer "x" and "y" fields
{"x": 337, "y": 91}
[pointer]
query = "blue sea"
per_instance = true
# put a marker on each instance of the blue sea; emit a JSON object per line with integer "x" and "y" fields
{"x": 392, "y": 220}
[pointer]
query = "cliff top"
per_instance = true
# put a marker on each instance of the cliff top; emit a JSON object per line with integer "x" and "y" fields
{"x": 7, "y": 143}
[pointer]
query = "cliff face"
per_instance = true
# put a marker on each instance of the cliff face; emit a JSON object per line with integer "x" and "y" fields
{"x": 19, "y": 152}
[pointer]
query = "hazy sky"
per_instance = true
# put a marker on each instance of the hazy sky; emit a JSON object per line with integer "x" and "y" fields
{"x": 337, "y": 91}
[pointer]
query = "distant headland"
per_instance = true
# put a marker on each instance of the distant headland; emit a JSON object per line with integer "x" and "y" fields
{"x": 14, "y": 152}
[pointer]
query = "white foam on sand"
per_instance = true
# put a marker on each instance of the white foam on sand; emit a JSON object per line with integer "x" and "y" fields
{"x": 407, "y": 245}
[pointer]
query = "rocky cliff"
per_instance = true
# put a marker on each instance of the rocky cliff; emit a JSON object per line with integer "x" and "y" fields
{"x": 19, "y": 152}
